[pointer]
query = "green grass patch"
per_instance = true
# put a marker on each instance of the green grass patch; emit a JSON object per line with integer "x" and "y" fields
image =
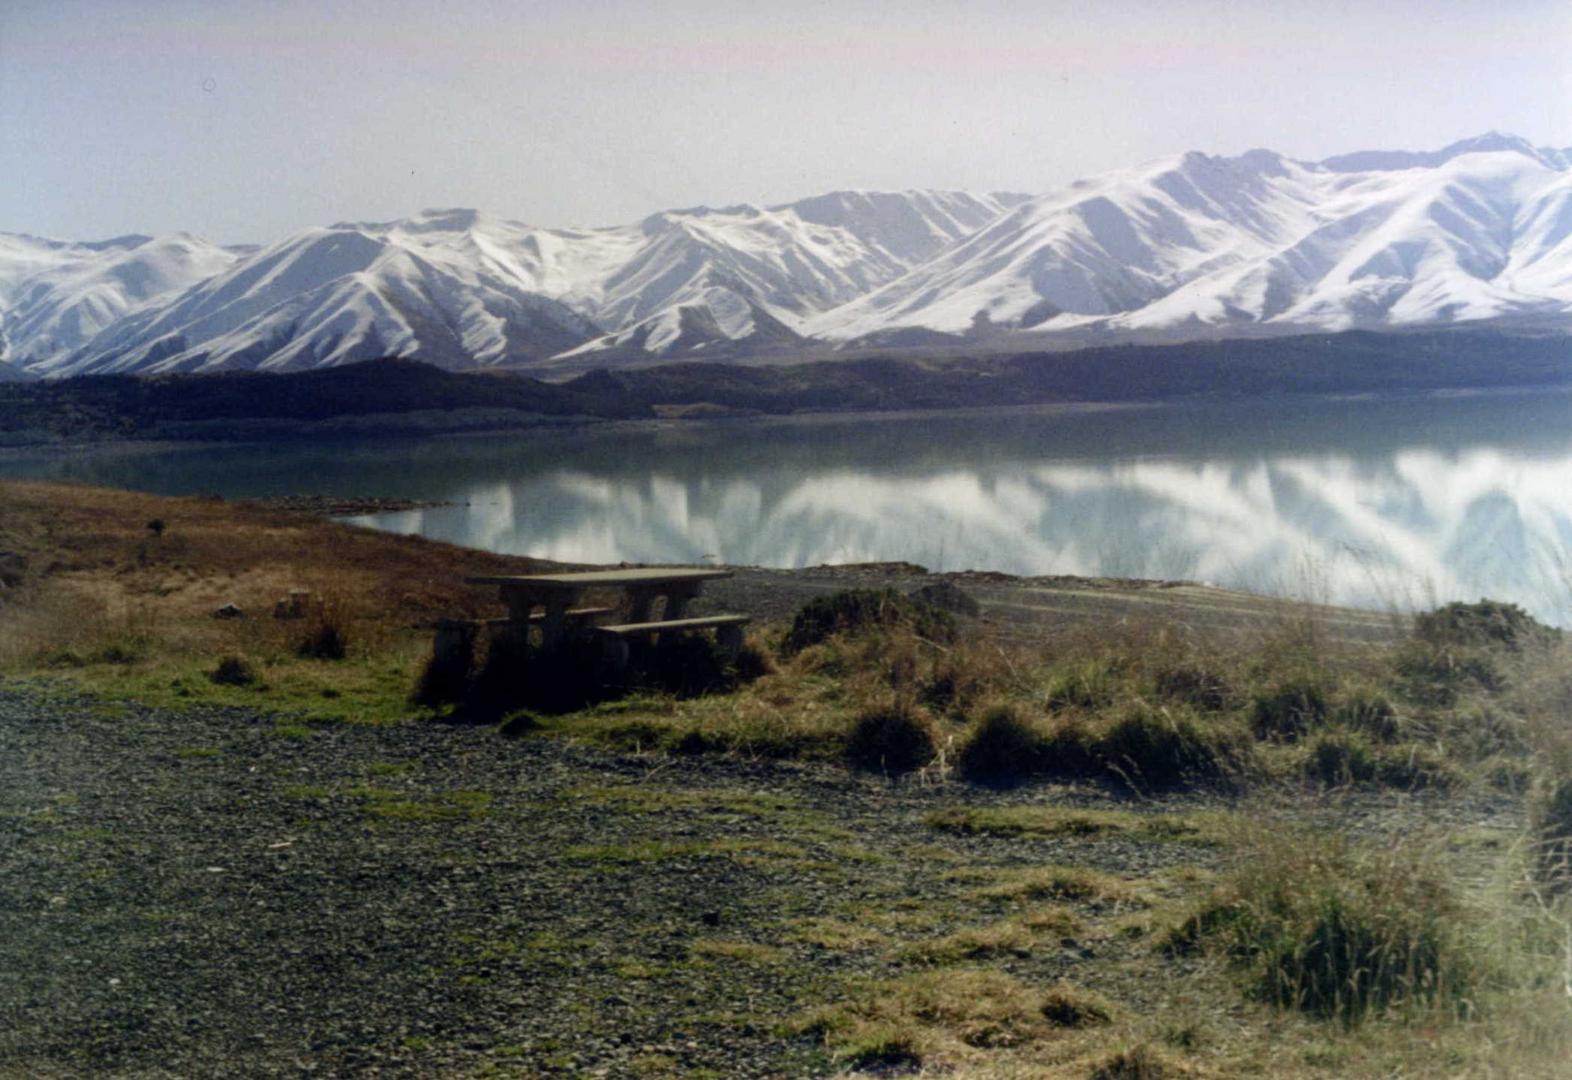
{"x": 1194, "y": 828}
{"x": 742, "y": 952}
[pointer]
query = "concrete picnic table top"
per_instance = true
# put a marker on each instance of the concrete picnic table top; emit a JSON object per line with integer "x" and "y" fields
{"x": 604, "y": 578}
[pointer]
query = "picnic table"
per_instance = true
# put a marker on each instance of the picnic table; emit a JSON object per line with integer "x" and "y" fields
{"x": 557, "y": 595}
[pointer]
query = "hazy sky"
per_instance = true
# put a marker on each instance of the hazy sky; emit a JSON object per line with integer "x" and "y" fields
{"x": 244, "y": 121}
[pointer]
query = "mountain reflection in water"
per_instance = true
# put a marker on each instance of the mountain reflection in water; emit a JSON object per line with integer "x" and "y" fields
{"x": 1377, "y": 503}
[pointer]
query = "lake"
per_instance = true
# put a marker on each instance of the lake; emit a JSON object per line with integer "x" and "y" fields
{"x": 1385, "y": 503}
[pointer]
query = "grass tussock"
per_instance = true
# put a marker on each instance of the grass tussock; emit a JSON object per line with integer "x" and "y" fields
{"x": 1320, "y": 927}
{"x": 891, "y": 736}
{"x": 1002, "y": 747}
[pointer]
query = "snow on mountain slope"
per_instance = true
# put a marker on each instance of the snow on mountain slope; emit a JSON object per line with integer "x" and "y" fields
{"x": 750, "y": 274}
{"x": 422, "y": 289}
{"x": 461, "y": 289}
{"x": 57, "y": 303}
{"x": 1186, "y": 246}
{"x": 1255, "y": 243}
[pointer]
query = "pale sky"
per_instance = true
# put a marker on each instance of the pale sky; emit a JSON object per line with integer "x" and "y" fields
{"x": 246, "y": 121}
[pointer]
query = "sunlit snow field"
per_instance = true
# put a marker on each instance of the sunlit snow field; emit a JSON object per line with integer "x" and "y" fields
{"x": 1394, "y": 504}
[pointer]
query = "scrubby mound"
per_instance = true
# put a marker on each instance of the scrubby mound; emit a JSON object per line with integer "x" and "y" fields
{"x": 1489, "y": 622}
{"x": 855, "y": 610}
{"x": 891, "y": 738}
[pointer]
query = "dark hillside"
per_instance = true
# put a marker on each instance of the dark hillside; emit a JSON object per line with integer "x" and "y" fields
{"x": 268, "y": 405}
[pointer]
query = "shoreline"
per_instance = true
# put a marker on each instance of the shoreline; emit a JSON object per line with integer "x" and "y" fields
{"x": 417, "y": 425}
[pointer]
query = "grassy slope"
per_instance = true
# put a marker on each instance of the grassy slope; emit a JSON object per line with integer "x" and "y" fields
{"x": 105, "y": 604}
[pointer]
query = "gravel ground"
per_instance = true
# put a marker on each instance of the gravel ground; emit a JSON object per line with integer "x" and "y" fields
{"x": 1025, "y": 607}
{"x": 213, "y": 892}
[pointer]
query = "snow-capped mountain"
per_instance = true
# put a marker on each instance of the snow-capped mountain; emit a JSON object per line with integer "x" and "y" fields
{"x": 703, "y": 278}
{"x": 55, "y": 296}
{"x": 463, "y": 289}
{"x": 1194, "y": 245}
{"x": 1182, "y": 247}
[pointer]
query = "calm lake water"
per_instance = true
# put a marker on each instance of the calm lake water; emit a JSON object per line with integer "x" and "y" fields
{"x": 1374, "y": 503}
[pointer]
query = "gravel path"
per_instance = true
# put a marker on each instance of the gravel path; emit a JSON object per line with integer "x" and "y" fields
{"x": 213, "y": 892}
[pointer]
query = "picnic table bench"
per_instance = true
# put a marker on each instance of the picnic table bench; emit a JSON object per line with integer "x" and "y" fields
{"x": 560, "y": 619}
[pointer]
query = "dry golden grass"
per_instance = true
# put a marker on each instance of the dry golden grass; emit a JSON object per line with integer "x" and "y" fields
{"x": 105, "y": 598}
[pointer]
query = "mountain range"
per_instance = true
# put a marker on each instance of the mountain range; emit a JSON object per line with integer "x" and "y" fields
{"x": 1183, "y": 248}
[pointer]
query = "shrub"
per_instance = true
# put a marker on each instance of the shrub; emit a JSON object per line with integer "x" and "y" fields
{"x": 1194, "y": 686}
{"x": 1487, "y": 623}
{"x": 1002, "y": 748}
{"x": 1289, "y": 711}
{"x": 856, "y": 610}
{"x": 1163, "y": 748}
{"x": 1552, "y": 823}
{"x": 890, "y": 738}
{"x": 1320, "y": 928}
{"x": 233, "y": 671}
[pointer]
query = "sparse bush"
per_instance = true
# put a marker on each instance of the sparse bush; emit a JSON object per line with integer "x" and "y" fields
{"x": 1339, "y": 934}
{"x": 857, "y": 610}
{"x": 891, "y": 737}
{"x": 1487, "y": 623}
{"x": 233, "y": 671}
{"x": 1002, "y": 748}
{"x": 1289, "y": 711}
{"x": 1194, "y": 686}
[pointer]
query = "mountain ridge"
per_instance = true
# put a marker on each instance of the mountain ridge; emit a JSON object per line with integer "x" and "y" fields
{"x": 1189, "y": 246}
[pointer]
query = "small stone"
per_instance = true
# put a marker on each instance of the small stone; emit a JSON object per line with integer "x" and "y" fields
{"x": 229, "y": 611}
